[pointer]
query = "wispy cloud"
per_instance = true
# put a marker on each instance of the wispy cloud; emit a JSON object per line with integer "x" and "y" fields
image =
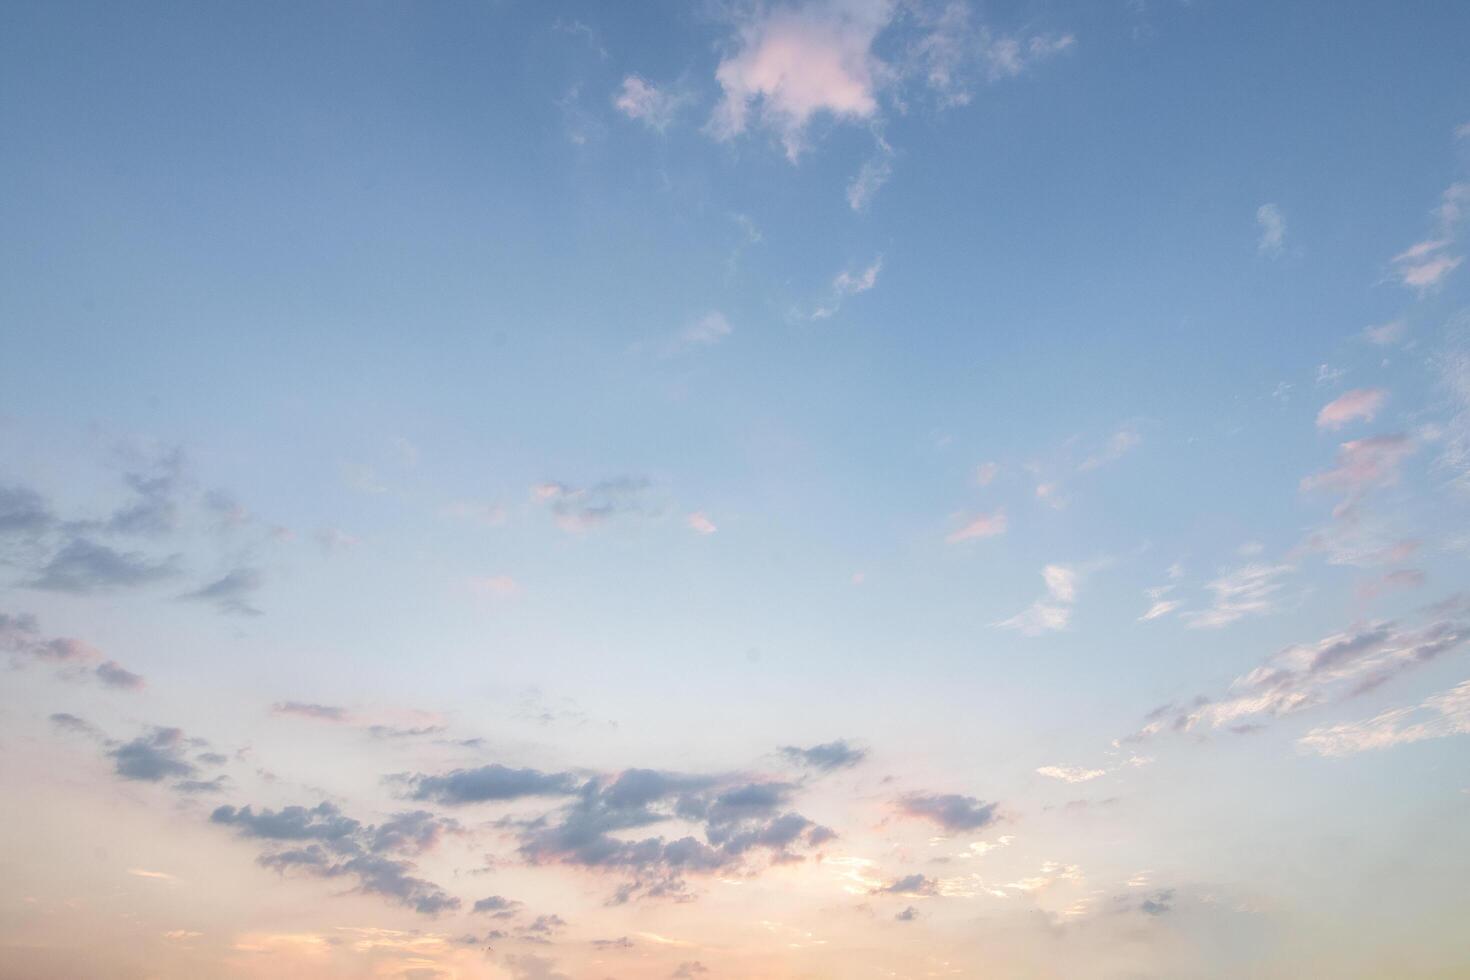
{"x": 649, "y": 104}
{"x": 1360, "y": 404}
{"x": 1273, "y": 230}
{"x": 1439, "y": 716}
{"x": 1252, "y": 589}
{"x": 1052, "y": 612}
{"x": 847, "y": 284}
{"x": 983, "y": 526}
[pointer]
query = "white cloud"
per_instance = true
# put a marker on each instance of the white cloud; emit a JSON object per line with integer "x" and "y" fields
{"x": 1273, "y": 229}
{"x": 708, "y": 330}
{"x": 873, "y": 174}
{"x": 1446, "y": 713}
{"x": 1425, "y": 264}
{"x": 1071, "y": 774}
{"x": 700, "y": 524}
{"x": 849, "y": 284}
{"x": 1250, "y": 590}
{"x": 1052, "y": 612}
{"x": 642, "y": 100}
{"x": 1160, "y": 608}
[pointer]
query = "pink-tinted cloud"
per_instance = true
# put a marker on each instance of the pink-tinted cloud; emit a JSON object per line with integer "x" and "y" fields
{"x": 1364, "y": 463}
{"x": 699, "y": 523}
{"x": 1360, "y": 403}
{"x": 794, "y": 63}
{"x": 984, "y": 526}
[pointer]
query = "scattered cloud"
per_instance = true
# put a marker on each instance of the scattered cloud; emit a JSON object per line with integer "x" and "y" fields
{"x": 1053, "y": 611}
{"x": 983, "y": 526}
{"x": 827, "y": 757}
{"x": 85, "y": 566}
{"x": 1439, "y": 716}
{"x": 849, "y": 284}
{"x": 1386, "y": 334}
{"x": 699, "y": 523}
{"x": 576, "y": 509}
{"x": 1252, "y": 589}
{"x": 230, "y": 594}
{"x": 949, "y": 810}
{"x": 649, "y": 104}
{"x": 1071, "y": 774}
{"x": 1359, "y": 404}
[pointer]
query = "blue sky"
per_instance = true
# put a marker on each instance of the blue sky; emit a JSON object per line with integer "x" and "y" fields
{"x": 1056, "y": 417}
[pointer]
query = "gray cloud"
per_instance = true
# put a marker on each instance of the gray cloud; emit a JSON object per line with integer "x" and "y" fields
{"x": 486, "y": 784}
{"x": 498, "y": 906}
{"x": 826, "y": 757}
{"x": 914, "y": 884}
{"x": 907, "y": 915}
{"x": 155, "y": 485}
{"x": 230, "y": 594}
{"x": 24, "y": 512}
{"x": 154, "y": 756}
{"x": 114, "y": 675}
{"x": 195, "y": 786}
{"x": 71, "y": 723}
{"x": 324, "y": 842}
{"x": 320, "y": 712}
{"x": 84, "y": 566}
{"x": 950, "y": 811}
{"x": 688, "y": 970}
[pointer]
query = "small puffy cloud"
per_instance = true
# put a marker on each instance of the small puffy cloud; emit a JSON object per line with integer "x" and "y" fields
{"x": 983, "y": 526}
{"x": 153, "y": 756}
{"x": 112, "y": 674}
{"x": 1358, "y": 404}
{"x": 827, "y": 757}
{"x": 791, "y": 64}
{"x": 849, "y": 284}
{"x": 951, "y": 811}
{"x": 1273, "y": 230}
{"x": 699, "y": 523}
{"x": 497, "y": 907}
{"x": 640, "y": 99}
{"x": 1071, "y": 774}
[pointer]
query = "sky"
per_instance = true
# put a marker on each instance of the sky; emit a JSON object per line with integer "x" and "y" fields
{"x": 802, "y": 489}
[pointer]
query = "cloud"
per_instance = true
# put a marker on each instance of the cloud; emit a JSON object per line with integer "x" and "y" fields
{"x": 1302, "y": 676}
{"x": 1360, "y": 403}
{"x": 983, "y": 526}
{"x": 84, "y": 566}
{"x": 1440, "y": 716}
{"x": 112, "y": 674}
{"x": 75, "y": 660}
{"x": 739, "y": 819}
{"x": 871, "y": 176}
{"x": 1250, "y": 590}
{"x": 950, "y": 811}
{"x": 700, "y": 524}
{"x": 1273, "y": 230}
{"x": 1362, "y": 465}
{"x": 909, "y": 914}
{"x": 23, "y": 512}
{"x": 1071, "y": 774}
{"x": 1160, "y": 608}
{"x": 826, "y": 757}
{"x": 155, "y": 482}
{"x": 153, "y": 756}
{"x": 319, "y": 712}
{"x": 1385, "y": 334}
{"x": 640, "y": 99}
{"x": 333, "y": 540}
{"x": 791, "y": 64}
{"x": 708, "y": 330}
{"x": 1119, "y": 444}
{"x": 498, "y": 907}
{"x": 576, "y": 509}
{"x": 849, "y": 284}
{"x": 79, "y": 726}
{"x": 1053, "y": 612}
{"x": 231, "y": 593}
{"x": 492, "y": 783}
{"x": 1425, "y": 264}
{"x": 688, "y": 970}
{"x": 323, "y": 842}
